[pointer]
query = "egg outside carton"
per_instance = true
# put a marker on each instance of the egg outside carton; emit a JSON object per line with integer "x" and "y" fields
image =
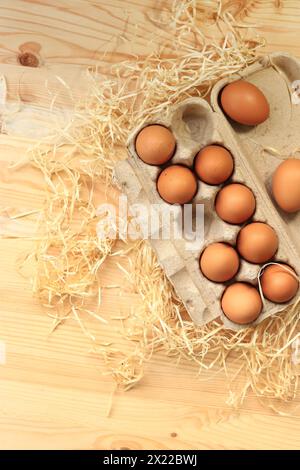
{"x": 195, "y": 125}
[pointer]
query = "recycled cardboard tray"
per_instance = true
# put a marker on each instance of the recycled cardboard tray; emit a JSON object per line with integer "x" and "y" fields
{"x": 195, "y": 124}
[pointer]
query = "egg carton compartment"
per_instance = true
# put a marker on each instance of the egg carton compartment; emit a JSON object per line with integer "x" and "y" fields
{"x": 195, "y": 125}
{"x": 268, "y": 144}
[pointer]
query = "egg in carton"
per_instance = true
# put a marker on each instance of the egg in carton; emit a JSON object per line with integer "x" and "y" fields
{"x": 195, "y": 125}
{"x": 268, "y": 144}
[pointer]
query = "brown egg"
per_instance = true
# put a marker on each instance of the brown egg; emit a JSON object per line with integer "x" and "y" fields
{"x": 245, "y": 103}
{"x": 235, "y": 203}
{"x": 177, "y": 184}
{"x": 213, "y": 164}
{"x": 155, "y": 145}
{"x": 257, "y": 242}
{"x": 219, "y": 262}
{"x": 241, "y": 303}
{"x": 286, "y": 185}
{"x": 278, "y": 283}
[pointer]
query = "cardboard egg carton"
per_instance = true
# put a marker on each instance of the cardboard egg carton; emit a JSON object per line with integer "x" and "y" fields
{"x": 195, "y": 125}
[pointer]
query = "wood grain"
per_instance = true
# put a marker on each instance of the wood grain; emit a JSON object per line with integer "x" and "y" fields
{"x": 52, "y": 392}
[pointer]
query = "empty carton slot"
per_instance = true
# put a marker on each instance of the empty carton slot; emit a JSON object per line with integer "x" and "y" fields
{"x": 289, "y": 68}
{"x": 198, "y": 121}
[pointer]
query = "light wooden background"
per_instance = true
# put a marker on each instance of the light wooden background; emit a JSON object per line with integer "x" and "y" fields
{"x": 52, "y": 392}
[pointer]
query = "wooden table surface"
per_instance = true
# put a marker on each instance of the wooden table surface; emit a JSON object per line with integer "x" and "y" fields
{"x": 53, "y": 394}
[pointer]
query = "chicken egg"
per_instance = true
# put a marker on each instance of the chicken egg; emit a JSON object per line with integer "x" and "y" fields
{"x": 155, "y": 145}
{"x": 219, "y": 262}
{"x": 257, "y": 242}
{"x": 235, "y": 203}
{"x": 279, "y": 283}
{"x": 213, "y": 164}
{"x": 177, "y": 184}
{"x": 241, "y": 303}
{"x": 286, "y": 185}
{"x": 245, "y": 103}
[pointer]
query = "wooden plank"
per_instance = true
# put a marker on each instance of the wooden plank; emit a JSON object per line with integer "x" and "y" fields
{"x": 79, "y": 32}
{"x": 52, "y": 392}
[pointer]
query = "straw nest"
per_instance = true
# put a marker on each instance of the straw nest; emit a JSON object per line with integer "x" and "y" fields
{"x": 69, "y": 255}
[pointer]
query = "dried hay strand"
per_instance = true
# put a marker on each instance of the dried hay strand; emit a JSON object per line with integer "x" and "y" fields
{"x": 69, "y": 255}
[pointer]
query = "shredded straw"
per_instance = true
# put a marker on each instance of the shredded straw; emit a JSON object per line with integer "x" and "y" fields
{"x": 69, "y": 256}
